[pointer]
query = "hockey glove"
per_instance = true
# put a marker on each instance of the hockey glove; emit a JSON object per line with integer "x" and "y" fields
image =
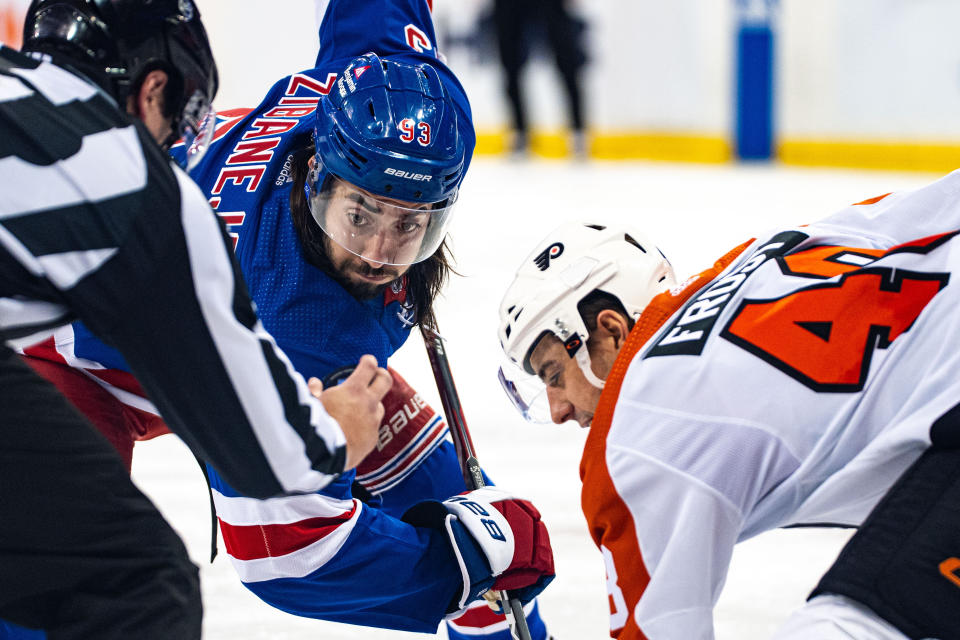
{"x": 410, "y": 430}
{"x": 499, "y": 542}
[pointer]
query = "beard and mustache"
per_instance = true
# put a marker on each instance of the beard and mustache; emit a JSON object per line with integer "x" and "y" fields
{"x": 362, "y": 290}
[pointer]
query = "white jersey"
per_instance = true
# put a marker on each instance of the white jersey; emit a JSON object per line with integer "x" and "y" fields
{"x": 791, "y": 384}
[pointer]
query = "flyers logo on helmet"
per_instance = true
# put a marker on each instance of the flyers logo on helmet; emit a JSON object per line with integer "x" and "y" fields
{"x": 542, "y": 259}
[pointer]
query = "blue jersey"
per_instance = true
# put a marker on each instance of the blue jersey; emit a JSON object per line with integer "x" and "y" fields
{"x": 324, "y": 555}
{"x": 327, "y": 555}
{"x": 246, "y": 175}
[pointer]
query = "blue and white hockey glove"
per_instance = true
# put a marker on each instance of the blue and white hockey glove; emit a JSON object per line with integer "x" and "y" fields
{"x": 499, "y": 541}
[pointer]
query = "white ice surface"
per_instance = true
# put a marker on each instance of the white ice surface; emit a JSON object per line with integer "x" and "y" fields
{"x": 695, "y": 213}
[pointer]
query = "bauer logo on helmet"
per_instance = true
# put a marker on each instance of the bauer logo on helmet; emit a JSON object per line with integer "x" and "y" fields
{"x": 400, "y": 173}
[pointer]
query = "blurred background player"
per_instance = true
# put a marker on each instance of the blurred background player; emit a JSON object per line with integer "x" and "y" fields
{"x": 799, "y": 381}
{"x": 339, "y": 188}
{"x": 523, "y": 23}
{"x": 98, "y": 224}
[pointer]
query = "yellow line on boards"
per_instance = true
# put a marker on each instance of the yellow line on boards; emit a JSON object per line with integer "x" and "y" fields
{"x": 615, "y": 146}
{"x": 895, "y": 155}
{"x": 703, "y": 148}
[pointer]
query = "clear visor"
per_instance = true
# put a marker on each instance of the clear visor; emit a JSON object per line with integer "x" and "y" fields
{"x": 379, "y": 230}
{"x": 526, "y": 392}
{"x": 195, "y": 128}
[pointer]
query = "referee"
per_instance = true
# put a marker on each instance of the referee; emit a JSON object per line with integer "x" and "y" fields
{"x": 96, "y": 224}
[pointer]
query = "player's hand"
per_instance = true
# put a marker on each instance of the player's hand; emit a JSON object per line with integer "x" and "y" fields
{"x": 356, "y": 405}
{"x": 500, "y": 542}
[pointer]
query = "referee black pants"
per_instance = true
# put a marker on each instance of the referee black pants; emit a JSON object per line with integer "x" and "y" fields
{"x": 513, "y": 20}
{"x": 83, "y": 553}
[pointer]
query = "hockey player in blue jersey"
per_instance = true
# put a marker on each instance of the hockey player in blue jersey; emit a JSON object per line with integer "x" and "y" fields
{"x": 337, "y": 190}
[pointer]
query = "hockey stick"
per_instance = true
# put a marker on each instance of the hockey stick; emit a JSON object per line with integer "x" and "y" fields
{"x": 512, "y": 607}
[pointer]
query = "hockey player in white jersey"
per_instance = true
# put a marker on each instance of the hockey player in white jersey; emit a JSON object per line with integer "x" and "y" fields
{"x": 809, "y": 377}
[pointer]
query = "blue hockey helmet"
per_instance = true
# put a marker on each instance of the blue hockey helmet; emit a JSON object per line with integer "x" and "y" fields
{"x": 389, "y": 132}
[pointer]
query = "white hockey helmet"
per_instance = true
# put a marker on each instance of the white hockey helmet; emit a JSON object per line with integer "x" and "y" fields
{"x": 572, "y": 262}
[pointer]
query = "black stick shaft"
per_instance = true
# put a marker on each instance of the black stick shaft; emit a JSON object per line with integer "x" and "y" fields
{"x": 513, "y": 608}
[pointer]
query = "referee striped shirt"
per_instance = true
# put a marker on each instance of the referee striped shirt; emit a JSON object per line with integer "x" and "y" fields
{"x": 97, "y": 224}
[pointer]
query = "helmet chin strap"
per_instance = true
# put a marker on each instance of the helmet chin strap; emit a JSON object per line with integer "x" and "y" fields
{"x": 583, "y": 359}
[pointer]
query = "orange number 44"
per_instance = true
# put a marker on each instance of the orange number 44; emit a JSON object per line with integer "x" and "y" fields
{"x": 825, "y": 335}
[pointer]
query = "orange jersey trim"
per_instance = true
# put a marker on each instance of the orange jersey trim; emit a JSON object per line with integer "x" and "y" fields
{"x": 609, "y": 519}
{"x": 873, "y": 200}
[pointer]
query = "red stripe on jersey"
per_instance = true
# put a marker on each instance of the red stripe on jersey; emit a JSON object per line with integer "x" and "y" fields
{"x": 141, "y": 424}
{"x": 436, "y": 431}
{"x": 478, "y": 618}
{"x": 608, "y": 517}
{"x": 408, "y": 460}
{"x": 46, "y": 350}
{"x": 251, "y": 542}
{"x": 119, "y": 379}
{"x": 234, "y": 113}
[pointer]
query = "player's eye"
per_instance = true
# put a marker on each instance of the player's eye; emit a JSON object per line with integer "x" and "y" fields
{"x": 551, "y": 377}
{"x": 409, "y": 226}
{"x": 356, "y": 218}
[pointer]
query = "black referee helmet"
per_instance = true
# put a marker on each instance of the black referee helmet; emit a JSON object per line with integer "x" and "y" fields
{"x": 117, "y": 42}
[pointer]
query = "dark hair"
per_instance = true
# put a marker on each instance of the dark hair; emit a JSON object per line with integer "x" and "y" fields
{"x": 595, "y": 302}
{"x": 424, "y": 279}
